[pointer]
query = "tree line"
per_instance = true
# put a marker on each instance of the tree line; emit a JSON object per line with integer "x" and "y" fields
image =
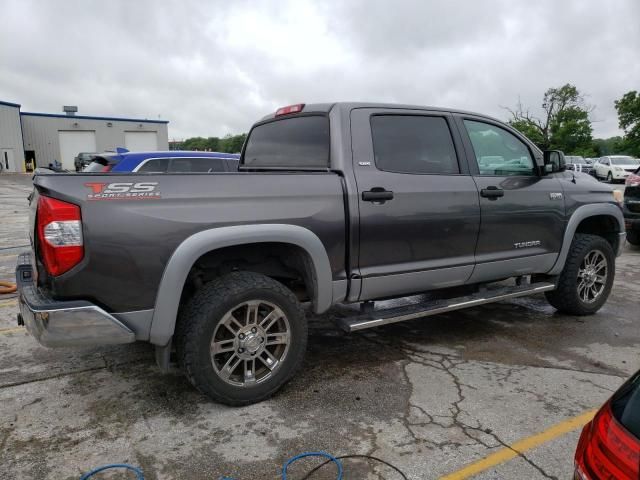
{"x": 565, "y": 125}
{"x": 226, "y": 144}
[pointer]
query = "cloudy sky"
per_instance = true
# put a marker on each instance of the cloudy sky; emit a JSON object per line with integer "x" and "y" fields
{"x": 214, "y": 67}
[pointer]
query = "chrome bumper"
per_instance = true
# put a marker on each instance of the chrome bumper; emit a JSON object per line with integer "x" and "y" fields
{"x": 64, "y": 324}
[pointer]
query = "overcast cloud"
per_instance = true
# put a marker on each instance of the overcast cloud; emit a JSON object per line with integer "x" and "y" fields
{"x": 213, "y": 68}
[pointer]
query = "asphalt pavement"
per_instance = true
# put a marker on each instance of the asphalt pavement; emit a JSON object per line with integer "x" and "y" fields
{"x": 431, "y": 396}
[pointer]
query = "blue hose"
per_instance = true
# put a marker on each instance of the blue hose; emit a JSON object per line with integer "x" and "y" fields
{"x": 137, "y": 471}
{"x": 140, "y": 476}
{"x": 312, "y": 454}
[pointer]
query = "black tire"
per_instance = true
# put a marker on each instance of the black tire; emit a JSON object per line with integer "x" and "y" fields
{"x": 609, "y": 178}
{"x": 198, "y": 322}
{"x": 566, "y": 298}
{"x": 633, "y": 238}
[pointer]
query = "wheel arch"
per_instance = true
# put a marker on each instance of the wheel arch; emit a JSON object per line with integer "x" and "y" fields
{"x": 201, "y": 243}
{"x": 604, "y": 219}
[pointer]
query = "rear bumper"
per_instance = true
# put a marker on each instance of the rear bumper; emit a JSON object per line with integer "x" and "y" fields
{"x": 64, "y": 324}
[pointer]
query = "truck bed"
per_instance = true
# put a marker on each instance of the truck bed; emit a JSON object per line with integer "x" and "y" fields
{"x": 137, "y": 234}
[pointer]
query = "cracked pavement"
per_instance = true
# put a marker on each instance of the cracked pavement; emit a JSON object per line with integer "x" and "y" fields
{"x": 429, "y": 396}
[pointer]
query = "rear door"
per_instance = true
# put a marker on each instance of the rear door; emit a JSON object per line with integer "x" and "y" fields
{"x": 418, "y": 205}
{"x": 522, "y": 213}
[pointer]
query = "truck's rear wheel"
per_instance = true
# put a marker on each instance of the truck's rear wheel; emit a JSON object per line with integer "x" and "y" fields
{"x": 586, "y": 280}
{"x": 241, "y": 338}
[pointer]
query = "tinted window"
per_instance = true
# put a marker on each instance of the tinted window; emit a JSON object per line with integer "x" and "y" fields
{"x": 413, "y": 144}
{"x": 232, "y": 165}
{"x": 158, "y": 165}
{"x": 197, "y": 165}
{"x": 291, "y": 142}
{"x": 497, "y": 151}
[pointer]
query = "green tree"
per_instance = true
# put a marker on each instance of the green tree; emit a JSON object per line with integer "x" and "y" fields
{"x": 609, "y": 146}
{"x": 228, "y": 144}
{"x": 565, "y": 124}
{"x": 628, "y": 108}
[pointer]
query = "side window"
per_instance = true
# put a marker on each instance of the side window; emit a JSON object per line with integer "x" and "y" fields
{"x": 158, "y": 165}
{"x": 197, "y": 165}
{"x": 201, "y": 165}
{"x": 413, "y": 144}
{"x": 232, "y": 165}
{"x": 497, "y": 151}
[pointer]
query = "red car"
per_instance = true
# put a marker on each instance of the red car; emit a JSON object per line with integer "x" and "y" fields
{"x": 609, "y": 447}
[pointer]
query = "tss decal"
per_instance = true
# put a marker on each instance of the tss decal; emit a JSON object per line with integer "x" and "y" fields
{"x": 123, "y": 191}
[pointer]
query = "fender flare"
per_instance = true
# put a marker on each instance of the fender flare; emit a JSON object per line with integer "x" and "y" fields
{"x": 175, "y": 273}
{"x": 585, "y": 211}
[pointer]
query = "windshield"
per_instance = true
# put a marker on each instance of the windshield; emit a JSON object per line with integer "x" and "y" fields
{"x": 624, "y": 161}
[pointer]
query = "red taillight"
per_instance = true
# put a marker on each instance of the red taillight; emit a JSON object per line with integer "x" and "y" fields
{"x": 59, "y": 228}
{"x": 607, "y": 451}
{"x": 290, "y": 109}
{"x": 633, "y": 180}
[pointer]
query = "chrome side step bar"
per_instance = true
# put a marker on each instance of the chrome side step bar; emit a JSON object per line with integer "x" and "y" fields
{"x": 410, "y": 312}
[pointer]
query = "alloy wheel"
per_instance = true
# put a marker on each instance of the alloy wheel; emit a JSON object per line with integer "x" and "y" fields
{"x": 592, "y": 276}
{"x": 250, "y": 343}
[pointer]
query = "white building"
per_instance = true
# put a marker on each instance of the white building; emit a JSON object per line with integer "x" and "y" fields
{"x": 43, "y": 138}
{"x": 11, "y": 150}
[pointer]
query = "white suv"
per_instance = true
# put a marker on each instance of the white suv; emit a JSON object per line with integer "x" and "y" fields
{"x": 615, "y": 167}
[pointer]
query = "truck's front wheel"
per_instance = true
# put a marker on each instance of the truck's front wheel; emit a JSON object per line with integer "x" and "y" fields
{"x": 586, "y": 280}
{"x": 241, "y": 337}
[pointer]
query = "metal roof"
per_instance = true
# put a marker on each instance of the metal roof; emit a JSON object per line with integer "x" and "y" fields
{"x": 88, "y": 117}
{"x": 9, "y": 104}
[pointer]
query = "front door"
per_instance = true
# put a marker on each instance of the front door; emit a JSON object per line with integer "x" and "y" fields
{"x": 522, "y": 213}
{"x": 418, "y": 205}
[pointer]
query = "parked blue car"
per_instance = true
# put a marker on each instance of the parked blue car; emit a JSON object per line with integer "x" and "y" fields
{"x": 164, "y": 162}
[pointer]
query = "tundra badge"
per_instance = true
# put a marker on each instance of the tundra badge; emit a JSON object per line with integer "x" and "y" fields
{"x": 530, "y": 243}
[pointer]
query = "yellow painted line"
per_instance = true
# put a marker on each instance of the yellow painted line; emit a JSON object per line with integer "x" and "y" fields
{"x": 6, "y": 331}
{"x": 521, "y": 446}
{"x": 9, "y": 303}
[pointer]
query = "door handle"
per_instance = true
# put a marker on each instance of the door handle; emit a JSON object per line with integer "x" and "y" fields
{"x": 377, "y": 194}
{"x": 492, "y": 192}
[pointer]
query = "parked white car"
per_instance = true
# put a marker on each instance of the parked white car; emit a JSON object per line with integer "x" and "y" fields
{"x": 615, "y": 167}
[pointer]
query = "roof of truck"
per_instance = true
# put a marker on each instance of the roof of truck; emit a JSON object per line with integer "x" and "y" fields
{"x": 327, "y": 107}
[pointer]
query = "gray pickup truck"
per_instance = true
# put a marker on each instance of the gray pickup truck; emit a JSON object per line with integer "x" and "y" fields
{"x": 333, "y": 203}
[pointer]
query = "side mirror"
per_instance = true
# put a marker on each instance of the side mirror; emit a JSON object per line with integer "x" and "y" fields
{"x": 554, "y": 161}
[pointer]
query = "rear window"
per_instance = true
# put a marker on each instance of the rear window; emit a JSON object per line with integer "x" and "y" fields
{"x": 156, "y": 165}
{"x": 299, "y": 142}
{"x": 626, "y": 405}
